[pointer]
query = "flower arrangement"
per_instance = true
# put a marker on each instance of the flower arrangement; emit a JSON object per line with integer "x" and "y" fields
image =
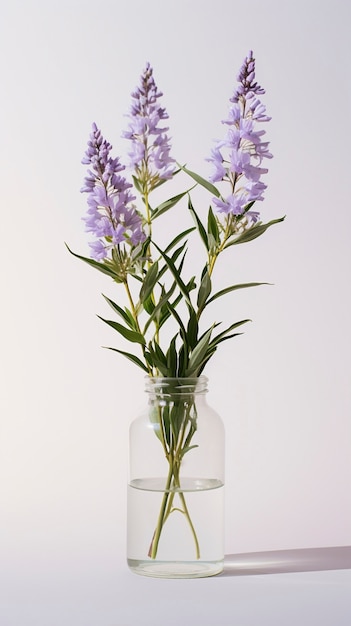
{"x": 157, "y": 292}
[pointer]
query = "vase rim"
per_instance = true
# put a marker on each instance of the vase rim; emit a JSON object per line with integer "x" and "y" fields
{"x": 165, "y": 385}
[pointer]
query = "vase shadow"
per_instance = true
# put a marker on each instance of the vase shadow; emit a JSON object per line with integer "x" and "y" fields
{"x": 284, "y": 561}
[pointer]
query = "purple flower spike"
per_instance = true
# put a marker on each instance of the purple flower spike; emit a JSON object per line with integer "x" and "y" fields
{"x": 246, "y": 77}
{"x": 111, "y": 217}
{"x": 150, "y": 151}
{"x": 237, "y": 159}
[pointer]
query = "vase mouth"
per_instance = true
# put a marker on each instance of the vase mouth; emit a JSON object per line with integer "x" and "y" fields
{"x": 178, "y": 385}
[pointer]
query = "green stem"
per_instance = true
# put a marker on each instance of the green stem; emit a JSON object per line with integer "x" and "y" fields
{"x": 156, "y": 538}
{"x": 173, "y": 487}
{"x": 135, "y": 317}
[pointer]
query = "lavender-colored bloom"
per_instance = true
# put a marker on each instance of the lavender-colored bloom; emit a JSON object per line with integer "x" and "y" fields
{"x": 237, "y": 159}
{"x": 111, "y": 217}
{"x": 150, "y": 149}
{"x": 246, "y": 79}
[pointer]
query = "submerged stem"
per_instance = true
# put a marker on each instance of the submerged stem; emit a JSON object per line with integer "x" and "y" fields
{"x": 172, "y": 487}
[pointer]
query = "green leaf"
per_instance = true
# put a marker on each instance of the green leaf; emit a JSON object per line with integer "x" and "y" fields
{"x": 225, "y": 332}
{"x": 157, "y": 359}
{"x": 148, "y": 305}
{"x": 128, "y": 318}
{"x": 212, "y": 226}
{"x": 131, "y": 335}
{"x": 172, "y": 359}
{"x": 222, "y": 292}
{"x": 254, "y": 232}
{"x": 176, "y": 274}
{"x": 192, "y": 330}
{"x": 185, "y": 450}
{"x": 131, "y": 357}
{"x": 155, "y": 421}
{"x": 137, "y": 184}
{"x": 199, "y": 353}
{"x": 204, "y": 290}
{"x": 168, "y": 204}
{"x": 202, "y": 181}
{"x": 162, "y": 301}
{"x": 175, "y": 314}
{"x": 149, "y": 282}
{"x": 178, "y": 238}
{"x": 101, "y": 267}
{"x": 199, "y": 224}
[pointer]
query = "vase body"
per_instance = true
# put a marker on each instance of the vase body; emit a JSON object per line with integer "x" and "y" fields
{"x": 175, "y": 523}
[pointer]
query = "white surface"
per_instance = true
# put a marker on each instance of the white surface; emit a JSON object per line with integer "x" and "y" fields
{"x": 114, "y": 597}
{"x": 283, "y": 388}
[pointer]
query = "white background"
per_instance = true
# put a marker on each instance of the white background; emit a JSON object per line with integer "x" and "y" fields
{"x": 283, "y": 388}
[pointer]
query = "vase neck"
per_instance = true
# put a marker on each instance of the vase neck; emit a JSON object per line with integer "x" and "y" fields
{"x": 170, "y": 387}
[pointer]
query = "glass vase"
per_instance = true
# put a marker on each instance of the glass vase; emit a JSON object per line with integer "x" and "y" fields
{"x": 175, "y": 523}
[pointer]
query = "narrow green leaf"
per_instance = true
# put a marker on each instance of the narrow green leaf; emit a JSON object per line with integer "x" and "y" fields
{"x": 179, "y": 238}
{"x": 192, "y": 330}
{"x": 149, "y": 282}
{"x": 212, "y": 226}
{"x": 225, "y": 332}
{"x": 185, "y": 450}
{"x": 137, "y": 184}
{"x": 254, "y": 232}
{"x": 174, "y": 257}
{"x": 168, "y": 204}
{"x": 163, "y": 300}
{"x": 183, "y": 360}
{"x": 131, "y": 335}
{"x": 204, "y": 290}
{"x": 176, "y": 274}
{"x": 176, "y": 315}
{"x": 172, "y": 357}
{"x": 157, "y": 359}
{"x": 222, "y": 292}
{"x": 149, "y": 305}
{"x": 131, "y": 357}
{"x": 199, "y": 224}
{"x": 202, "y": 181}
{"x": 199, "y": 353}
{"x": 126, "y": 316}
{"x": 154, "y": 416}
{"x": 100, "y": 266}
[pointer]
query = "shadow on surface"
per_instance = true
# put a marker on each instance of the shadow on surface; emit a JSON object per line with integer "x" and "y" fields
{"x": 284, "y": 561}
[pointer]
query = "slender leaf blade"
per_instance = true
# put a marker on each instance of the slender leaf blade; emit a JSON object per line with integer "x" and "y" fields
{"x": 179, "y": 238}
{"x": 202, "y": 181}
{"x": 176, "y": 274}
{"x": 199, "y": 353}
{"x": 168, "y": 204}
{"x": 212, "y": 226}
{"x": 130, "y": 335}
{"x": 101, "y": 267}
{"x": 254, "y": 232}
{"x": 126, "y": 316}
{"x": 131, "y": 357}
{"x": 204, "y": 290}
{"x": 149, "y": 282}
{"x": 222, "y": 292}
{"x": 199, "y": 224}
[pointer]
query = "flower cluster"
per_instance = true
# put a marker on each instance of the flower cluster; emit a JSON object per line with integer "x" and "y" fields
{"x": 237, "y": 159}
{"x": 111, "y": 216}
{"x": 126, "y": 247}
{"x": 150, "y": 147}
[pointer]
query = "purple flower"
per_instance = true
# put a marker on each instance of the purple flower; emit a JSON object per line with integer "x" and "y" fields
{"x": 246, "y": 79}
{"x": 237, "y": 159}
{"x": 111, "y": 217}
{"x": 150, "y": 149}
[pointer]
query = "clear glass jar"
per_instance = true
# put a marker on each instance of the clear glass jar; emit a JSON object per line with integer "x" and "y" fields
{"x": 175, "y": 523}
